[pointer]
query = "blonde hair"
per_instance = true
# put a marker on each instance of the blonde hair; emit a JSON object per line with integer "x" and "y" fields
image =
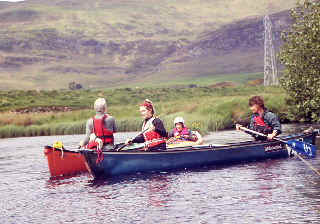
{"x": 100, "y": 105}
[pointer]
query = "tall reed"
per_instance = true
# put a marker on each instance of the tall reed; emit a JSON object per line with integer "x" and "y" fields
{"x": 204, "y": 109}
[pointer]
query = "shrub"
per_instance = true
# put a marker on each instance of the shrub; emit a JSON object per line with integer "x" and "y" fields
{"x": 301, "y": 56}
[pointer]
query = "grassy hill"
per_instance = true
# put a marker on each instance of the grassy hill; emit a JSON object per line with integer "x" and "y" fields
{"x": 47, "y": 44}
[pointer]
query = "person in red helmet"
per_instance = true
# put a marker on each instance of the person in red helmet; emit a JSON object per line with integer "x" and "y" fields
{"x": 154, "y": 133}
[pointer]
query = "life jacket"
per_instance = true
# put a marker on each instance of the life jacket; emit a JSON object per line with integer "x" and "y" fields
{"x": 152, "y": 138}
{"x": 101, "y": 132}
{"x": 184, "y": 134}
{"x": 260, "y": 125}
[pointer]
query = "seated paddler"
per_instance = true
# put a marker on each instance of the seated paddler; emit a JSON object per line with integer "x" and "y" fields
{"x": 100, "y": 128}
{"x": 153, "y": 133}
{"x": 182, "y": 133}
{"x": 262, "y": 120}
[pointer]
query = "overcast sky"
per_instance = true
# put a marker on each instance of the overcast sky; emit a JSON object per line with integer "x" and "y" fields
{"x": 11, "y": 0}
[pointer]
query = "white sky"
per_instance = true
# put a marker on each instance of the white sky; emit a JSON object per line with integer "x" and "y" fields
{"x": 11, "y": 0}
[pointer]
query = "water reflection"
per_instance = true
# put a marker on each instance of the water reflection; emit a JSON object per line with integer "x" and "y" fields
{"x": 267, "y": 179}
{"x": 54, "y": 182}
{"x": 155, "y": 186}
{"x": 158, "y": 187}
{"x": 274, "y": 191}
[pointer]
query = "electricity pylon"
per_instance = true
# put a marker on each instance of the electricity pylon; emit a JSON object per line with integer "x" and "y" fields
{"x": 270, "y": 63}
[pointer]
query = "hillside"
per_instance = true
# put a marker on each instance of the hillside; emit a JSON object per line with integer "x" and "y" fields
{"x": 235, "y": 48}
{"x": 47, "y": 44}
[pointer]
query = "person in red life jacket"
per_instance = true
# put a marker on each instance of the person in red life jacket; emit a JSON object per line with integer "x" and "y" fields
{"x": 262, "y": 120}
{"x": 100, "y": 128}
{"x": 154, "y": 133}
{"x": 181, "y": 132}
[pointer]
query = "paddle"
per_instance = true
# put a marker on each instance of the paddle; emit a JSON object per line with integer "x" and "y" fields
{"x": 132, "y": 138}
{"x": 297, "y": 146}
{"x": 304, "y": 148}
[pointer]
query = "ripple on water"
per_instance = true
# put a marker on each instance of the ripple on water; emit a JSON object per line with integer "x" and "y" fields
{"x": 273, "y": 191}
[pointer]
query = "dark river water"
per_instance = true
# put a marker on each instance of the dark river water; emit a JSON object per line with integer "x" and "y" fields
{"x": 273, "y": 191}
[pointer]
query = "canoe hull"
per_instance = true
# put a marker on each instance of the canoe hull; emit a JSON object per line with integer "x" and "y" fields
{"x": 64, "y": 163}
{"x": 117, "y": 163}
{"x": 67, "y": 163}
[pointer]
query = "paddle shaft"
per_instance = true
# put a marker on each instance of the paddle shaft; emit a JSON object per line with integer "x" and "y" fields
{"x": 307, "y": 163}
{"x": 280, "y": 140}
{"x": 258, "y": 133}
{"x": 132, "y": 138}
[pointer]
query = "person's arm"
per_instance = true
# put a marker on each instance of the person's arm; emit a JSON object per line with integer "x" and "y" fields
{"x": 275, "y": 124}
{"x": 138, "y": 139}
{"x": 189, "y": 135}
{"x": 159, "y": 127}
{"x": 273, "y": 134}
{"x": 273, "y": 121}
{"x": 251, "y": 126}
{"x": 114, "y": 125}
{"x": 89, "y": 130}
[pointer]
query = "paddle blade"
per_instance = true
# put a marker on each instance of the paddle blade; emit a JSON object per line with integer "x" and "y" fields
{"x": 303, "y": 148}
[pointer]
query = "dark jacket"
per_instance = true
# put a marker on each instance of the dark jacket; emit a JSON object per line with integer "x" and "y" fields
{"x": 270, "y": 119}
{"x": 159, "y": 127}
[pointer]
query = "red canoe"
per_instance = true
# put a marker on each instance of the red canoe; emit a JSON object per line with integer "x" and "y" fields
{"x": 64, "y": 162}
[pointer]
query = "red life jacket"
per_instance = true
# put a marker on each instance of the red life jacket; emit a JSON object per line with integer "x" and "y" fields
{"x": 184, "y": 133}
{"x": 152, "y": 138}
{"x": 101, "y": 132}
{"x": 261, "y": 126}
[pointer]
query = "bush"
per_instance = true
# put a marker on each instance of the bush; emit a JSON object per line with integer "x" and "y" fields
{"x": 192, "y": 86}
{"x": 74, "y": 86}
{"x": 301, "y": 56}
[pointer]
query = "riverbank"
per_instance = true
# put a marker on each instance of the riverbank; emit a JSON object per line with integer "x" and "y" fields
{"x": 204, "y": 108}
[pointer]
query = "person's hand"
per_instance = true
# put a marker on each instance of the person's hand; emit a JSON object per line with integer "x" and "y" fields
{"x": 170, "y": 140}
{"x": 185, "y": 136}
{"x": 92, "y": 137}
{"x": 238, "y": 126}
{"x": 128, "y": 141}
{"x": 271, "y": 136}
{"x": 81, "y": 144}
{"x": 100, "y": 143}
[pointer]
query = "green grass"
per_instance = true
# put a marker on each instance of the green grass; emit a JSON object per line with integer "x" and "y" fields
{"x": 204, "y": 109}
{"x": 81, "y": 99}
{"x": 204, "y": 80}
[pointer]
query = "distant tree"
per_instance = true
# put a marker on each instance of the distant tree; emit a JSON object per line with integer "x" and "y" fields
{"x": 78, "y": 86}
{"x": 192, "y": 86}
{"x": 300, "y": 54}
{"x": 74, "y": 86}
